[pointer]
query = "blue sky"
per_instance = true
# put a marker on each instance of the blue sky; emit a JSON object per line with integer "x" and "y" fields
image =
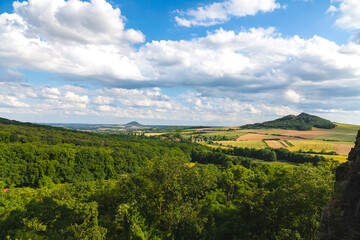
{"x": 227, "y": 62}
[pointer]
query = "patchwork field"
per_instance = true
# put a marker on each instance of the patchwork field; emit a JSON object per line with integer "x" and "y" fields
{"x": 255, "y": 136}
{"x": 340, "y": 139}
{"x": 291, "y": 133}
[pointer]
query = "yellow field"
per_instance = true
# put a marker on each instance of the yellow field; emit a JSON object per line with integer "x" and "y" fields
{"x": 153, "y": 134}
{"x": 248, "y": 144}
{"x": 276, "y": 144}
{"x": 342, "y": 148}
{"x": 338, "y": 158}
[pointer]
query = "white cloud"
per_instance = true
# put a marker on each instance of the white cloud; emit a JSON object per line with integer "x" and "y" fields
{"x": 332, "y": 9}
{"x": 280, "y": 110}
{"x": 350, "y": 13}
{"x": 231, "y": 74}
{"x": 75, "y": 21}
{"x": 74, "y": 98}
{"x": 254, "y": 59}
{"x": 219, "y": 12}
{"x": 292, "y": 96}
{"x": 12, "y": 101}
{"x": 102, "y": 100}
{"x": 70, "y": 37}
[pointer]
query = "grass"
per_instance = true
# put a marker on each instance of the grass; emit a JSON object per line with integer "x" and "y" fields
{"x": 213, "y": 145}
{"x": 316, "y": 145}
{"x": 250, "y": 144}
{"x": 277, "y": 163}
{"x": 228, "y": 134}
{"x": 343, "y": 132}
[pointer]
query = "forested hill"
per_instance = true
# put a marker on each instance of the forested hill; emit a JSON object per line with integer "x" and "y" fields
{"x": 62, "y": 184}
{"x": 31, "y": 154}
{"x": 303, "y": 122}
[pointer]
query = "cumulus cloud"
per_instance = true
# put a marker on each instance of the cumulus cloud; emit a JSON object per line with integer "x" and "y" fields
{"x": 230, "y": 74}
{"x": 292, "y": 96}
{"x": 219, "y": 12}
{"x": 69, "y": 37}
{"x": 251, "y": 61}
{"x": 281, "y": 110}
{"x": 12, "y": 101}
{"x": 75, "y": 21}
{"x": 349, "y": 13}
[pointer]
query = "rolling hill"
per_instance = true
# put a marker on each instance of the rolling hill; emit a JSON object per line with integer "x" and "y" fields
{"x": 301, "y": 122}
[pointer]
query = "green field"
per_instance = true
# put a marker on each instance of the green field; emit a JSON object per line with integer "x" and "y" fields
{"x": 343, "y": 132}
{"x": 278, "y": 163}
{"x": 248, "y": 144}
{"x": 214, "y": 133}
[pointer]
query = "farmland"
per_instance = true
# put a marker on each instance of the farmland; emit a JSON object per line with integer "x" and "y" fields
{"x": 338, "y": 140}
{"x": 248, "y": 144}
{"x": 341, "y": 148}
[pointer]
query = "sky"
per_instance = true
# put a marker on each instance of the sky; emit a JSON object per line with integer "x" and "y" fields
{"x": 179, "y": 62}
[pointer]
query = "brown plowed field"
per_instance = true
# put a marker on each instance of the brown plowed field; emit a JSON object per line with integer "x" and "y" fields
{"x": 275, "y": 144}
{"x": 292, "y": 133}
{"x": 254, "y": 136}
{"x": 342, "y": 149}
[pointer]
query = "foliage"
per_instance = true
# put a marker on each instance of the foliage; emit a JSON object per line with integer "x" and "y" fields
{"x": 301, "y": 122}
{"x": 88, "y": 186}
{"x": 166, "y": 199}
{"x": 28, "y": 154}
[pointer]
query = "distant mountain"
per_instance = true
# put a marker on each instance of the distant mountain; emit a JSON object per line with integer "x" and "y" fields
{"x": 134, "y": 124}
{"x": 302, "y": 122}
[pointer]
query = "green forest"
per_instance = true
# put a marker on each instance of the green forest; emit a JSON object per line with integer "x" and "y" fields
{"x": 64, "y": 184}
{"x": 303, "y": 122}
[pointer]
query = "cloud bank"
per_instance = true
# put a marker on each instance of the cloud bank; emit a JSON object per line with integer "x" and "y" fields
{"x": 219, "y": 12}
{"x": 228, "y": 75}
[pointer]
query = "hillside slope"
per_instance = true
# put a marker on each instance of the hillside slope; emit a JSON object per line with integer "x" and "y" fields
{"x": 30, "y": 153}
{"x": 302, "y": 122}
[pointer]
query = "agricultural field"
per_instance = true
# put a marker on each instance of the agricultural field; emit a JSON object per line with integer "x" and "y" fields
{"x": 256, "y": 136}
{"x": 277, "y": 144}
{"x": 339, "y": 140}
{"x": 248, "y": 144}
{"x": 341, "y": 148}
{"x": 338, "y": 158}
{"x": 343, "y": 132}
{"x": 212, "y": 135}
{"x": 153, "y": 134}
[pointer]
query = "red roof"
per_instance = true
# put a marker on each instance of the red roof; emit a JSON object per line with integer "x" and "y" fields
{"x": 5, "y": 190}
